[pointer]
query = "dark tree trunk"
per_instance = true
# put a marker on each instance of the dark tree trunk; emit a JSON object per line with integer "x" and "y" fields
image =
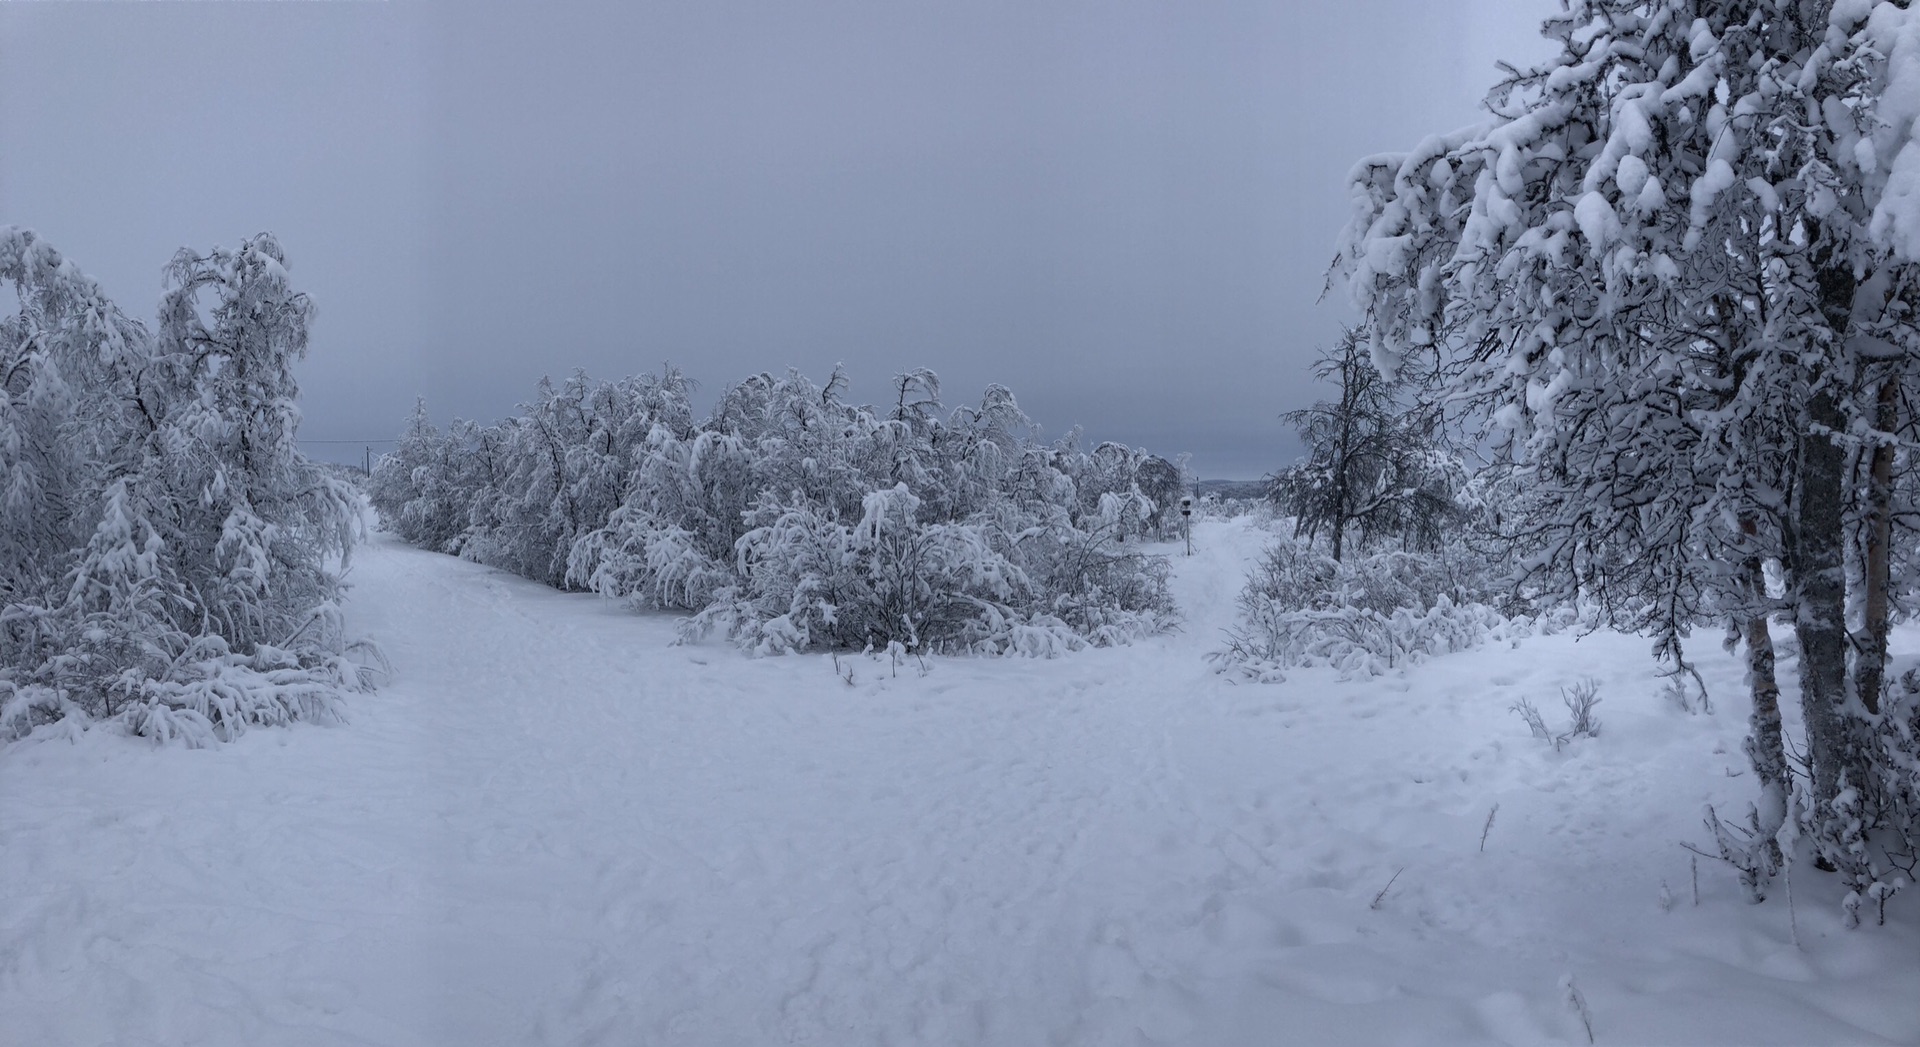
{"x": 1343, "y": 468}
{"x": 1820, "y": 596}
{"x": 1837, "y": 741}
{"x": 1871, "y": 665}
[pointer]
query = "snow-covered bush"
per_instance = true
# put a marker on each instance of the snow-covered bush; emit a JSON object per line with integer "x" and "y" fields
{"x": 1211, "y": 506}
{"x": 171, "y": 560}
{"x": 1093, "y": 581}
{"x": 809, "y": 580}
{"x": 1363, "y": 616}
{"x": 416, "y": 478}
{"x": 1582, "y": 723}
{"x": 792, "y": 519}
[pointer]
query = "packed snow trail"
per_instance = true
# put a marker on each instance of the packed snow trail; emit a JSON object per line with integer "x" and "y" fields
{"x": 553, "y": 826}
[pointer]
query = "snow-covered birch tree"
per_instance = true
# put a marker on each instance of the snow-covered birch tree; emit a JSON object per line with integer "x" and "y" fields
{"x": 1371, "y": 468}
{"x": 1674, "y": 272}
{"x": 177, "y": 560}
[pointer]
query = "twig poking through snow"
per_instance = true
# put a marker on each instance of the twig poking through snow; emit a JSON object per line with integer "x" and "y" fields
{"x": 1793, "y": 919}
{"x": 1696, "y": 881}
{"x": 1382, "y": 896}
{"x": 1678, "y": 693}
{"x": 1580, "y": 700}
{"x": 1535, "y": 722}
{"x": 1577, "y": 1003}
{"x": 1487, "y": 828}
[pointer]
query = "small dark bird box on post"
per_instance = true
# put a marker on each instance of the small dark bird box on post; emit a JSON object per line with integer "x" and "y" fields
{"x": 1186, "y": 513}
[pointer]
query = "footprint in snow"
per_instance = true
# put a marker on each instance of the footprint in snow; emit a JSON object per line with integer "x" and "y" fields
{"x": 1112, "y": 971}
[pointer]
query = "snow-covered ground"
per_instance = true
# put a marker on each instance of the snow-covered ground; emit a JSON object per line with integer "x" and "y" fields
{"x": 555, "y": 827}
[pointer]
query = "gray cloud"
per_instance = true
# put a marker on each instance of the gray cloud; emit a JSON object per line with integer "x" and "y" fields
{"x": 1122, "y": 211}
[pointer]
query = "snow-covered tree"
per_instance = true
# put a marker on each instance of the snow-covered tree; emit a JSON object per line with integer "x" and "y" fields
{"x": 68, "y": 363}
{"x": 184, "y": 569}
{"x": 1372, "y": 465}
{"x": 1164, "y": 482}
{"x": 418, "y": 485}
{"x": 255, "y": 525}
{"x": 791, "y": 518}
{"x": 1675, "y": 271}
{"x": 1364, "y": 615}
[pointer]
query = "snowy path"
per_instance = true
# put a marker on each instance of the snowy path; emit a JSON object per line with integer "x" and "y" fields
{"x": 553, "y": 827}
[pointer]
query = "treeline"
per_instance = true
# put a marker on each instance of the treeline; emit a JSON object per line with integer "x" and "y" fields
{"x": 168, "y": 558}
{"x": 791, "y": 519}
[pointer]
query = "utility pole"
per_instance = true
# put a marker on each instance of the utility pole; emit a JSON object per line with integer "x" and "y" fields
{"x": 369, "y": 461}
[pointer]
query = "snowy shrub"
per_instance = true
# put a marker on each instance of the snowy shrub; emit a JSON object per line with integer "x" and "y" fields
{"x": 1363, "y": 616}
{"x": 791, "y": 519}
{"x": 416, "y": 485}
{"x": 1579, "y": 700}
{"x": 649, "y": 561}
{"x": 179, "y": 570}
{"x": 522, "y": 494}
{"x": 1217, "y": 506}
{"x": 1536, "y": 723}
{"x": 811, "y": 581}
{"x": 1090, "y": 578}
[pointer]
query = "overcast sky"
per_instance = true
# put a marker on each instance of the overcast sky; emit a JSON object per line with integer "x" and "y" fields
{"x": 1122, "y": 211}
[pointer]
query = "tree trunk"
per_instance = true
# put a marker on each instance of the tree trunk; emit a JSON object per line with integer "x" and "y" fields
{"x": 1765, "y": 745}
{"x": 1871, "y": 667}
{"x": 1820, "y": 610}
{"x": 1837, "y": 744}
